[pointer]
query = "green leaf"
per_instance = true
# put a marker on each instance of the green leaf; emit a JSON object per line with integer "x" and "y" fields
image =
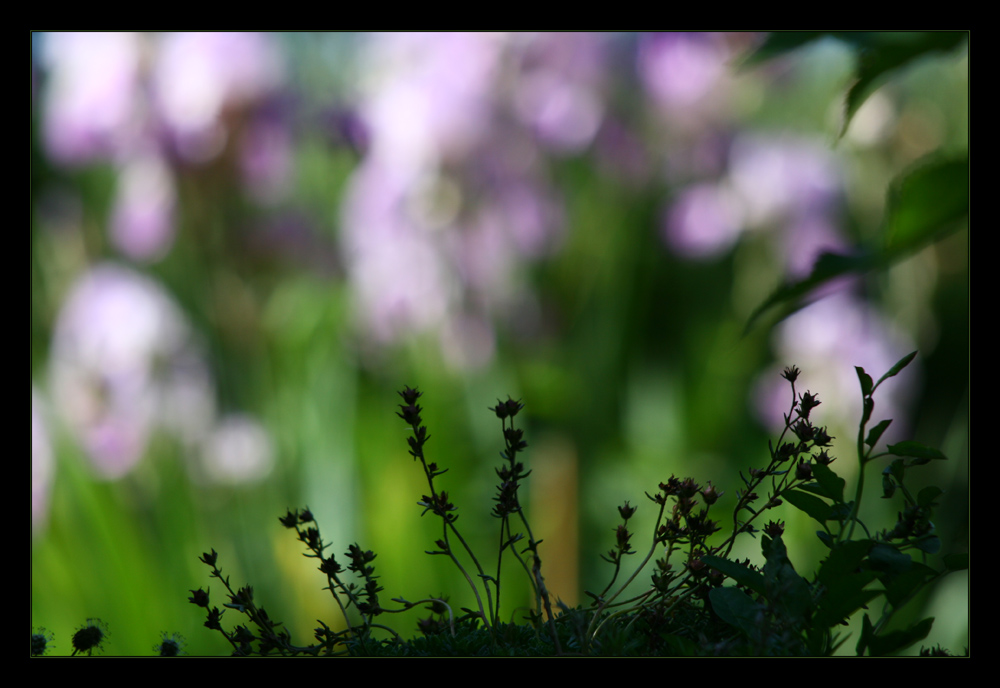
{"x": 790, "y": 592}
{"x": 739, "y": 573}
{"x": 903, "y": 585}
{"x": 927, "y": 495}
{"x": 900, "y": 364}
{"x": 895, "y": 641}
{"x": 887, "y": 52}
{"x": 916, "y": 450}
{"x": 876, "y": 432}
{"x": 795, "y": 295}
{"x": 735, "y": 608}
{"x": 865, "y": 380}
{"x": 813, "y": 506}
{"x": 925, "y": 204}
{"x": 886, "y": 558}
{"x": 930, "y": 544}
{"x": 896, "y": 469}
{"x": 679, "y": 646}
{"x": 869, "y": 406}
{"x": 957, "y": 562}
{"x": 833, "y": 484}
{"x": 780, "y": 43}
{"x": 841, "y": 511}
{"x": 843, "y": 560}
{"x": 813, "y": 488}
{"x": 888, "y": 486}
{"x": 867, "y": 633}
{"x": 843, "y": 597}
{"x": 879, "y": 54}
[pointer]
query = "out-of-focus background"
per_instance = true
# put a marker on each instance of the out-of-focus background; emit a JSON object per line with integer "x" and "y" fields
{"x": 243, "y": 245}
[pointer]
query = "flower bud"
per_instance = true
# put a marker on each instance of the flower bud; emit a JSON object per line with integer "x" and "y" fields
{"x": 626, "y": 511}
{"x": 803, "y": 471}
{"x": 200, "y": 598}
{"x": 774, "y": 528}
{"x": 711, "y": 494}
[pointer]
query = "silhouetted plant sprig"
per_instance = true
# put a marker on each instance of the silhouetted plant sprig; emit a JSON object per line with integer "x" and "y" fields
{"x": 438, "y": 503}
{"x": 508, "y": 503}
{"x": 784, "y": 612}
{"x": 698, "y": 601}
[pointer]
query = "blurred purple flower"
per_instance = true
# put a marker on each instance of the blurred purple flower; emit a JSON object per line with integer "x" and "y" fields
{"x": 42, "y": 463}
{"x": 558, "y": 93}
{"x": 791, "y": 186}
{"x": 266, "y": 157}
{"x": 142, "y": 99}
{"x": 779, "y": 177}
{"x": 467, "y": 341}
{"x": 91, "y": 104}
{"x": 622, "y": 154}
{"x": 427, "y": 97}
{"x": 142, "y": 217}
{"x": 238, "y": 450}
{"x": 704, "y": 222}
{"x": 400, "y": 281}
{"x": 680, "y": 69}
{"x": 197, "y": 75}
{"x": 826, "y": 340}
{"x": 345, "y": 127}
{"x": 449, "y": 199}
{"x": 117, "y": 350}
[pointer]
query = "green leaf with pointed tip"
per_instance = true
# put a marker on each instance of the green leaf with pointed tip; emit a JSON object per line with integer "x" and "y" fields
{"x": 927, "y": 495}
{"x": 813, "y": 488}
{"x": 739, "y": 573}
{"x": 780, "y": 43}
{"x": 916, "y": 450}
{"x": 896, "y": 469}
{"x": 903, "y": 585}
{"x": 925, "y": 203}
{"x": 841, "y": 511}
{"x": 795, "y": 295}
{"x": 869, "y": 406}
{"x": 900, "y": 364}
{"x": 894, "y": 641}
{"x": 843, "y": 597}
{"x": 865, "y": 379}
{"x": 813, "y": 506}
{"x": 886, "y": 558}
{"x": 833, "y": 484}
{"x": 790, "y": 593}
{"x": 735, "y": 608}
{"x": 843, "y": 560}
{"x": 876, "y": 432}
{"x": 867, "y": 633}
{"x": 887, "y": 52}
{"x": 888, "y": 486}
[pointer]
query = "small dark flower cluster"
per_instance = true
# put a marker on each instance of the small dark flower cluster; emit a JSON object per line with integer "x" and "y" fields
{"x": 41, "y": 642}
{"x": 512, "y": 472}
{"x": 687, "y": 529}
{"x": 809, "y": 438}
{"x": 270, "y": 637}
{"x": 91, "y": 636}
{"x": 913, "y": 522}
